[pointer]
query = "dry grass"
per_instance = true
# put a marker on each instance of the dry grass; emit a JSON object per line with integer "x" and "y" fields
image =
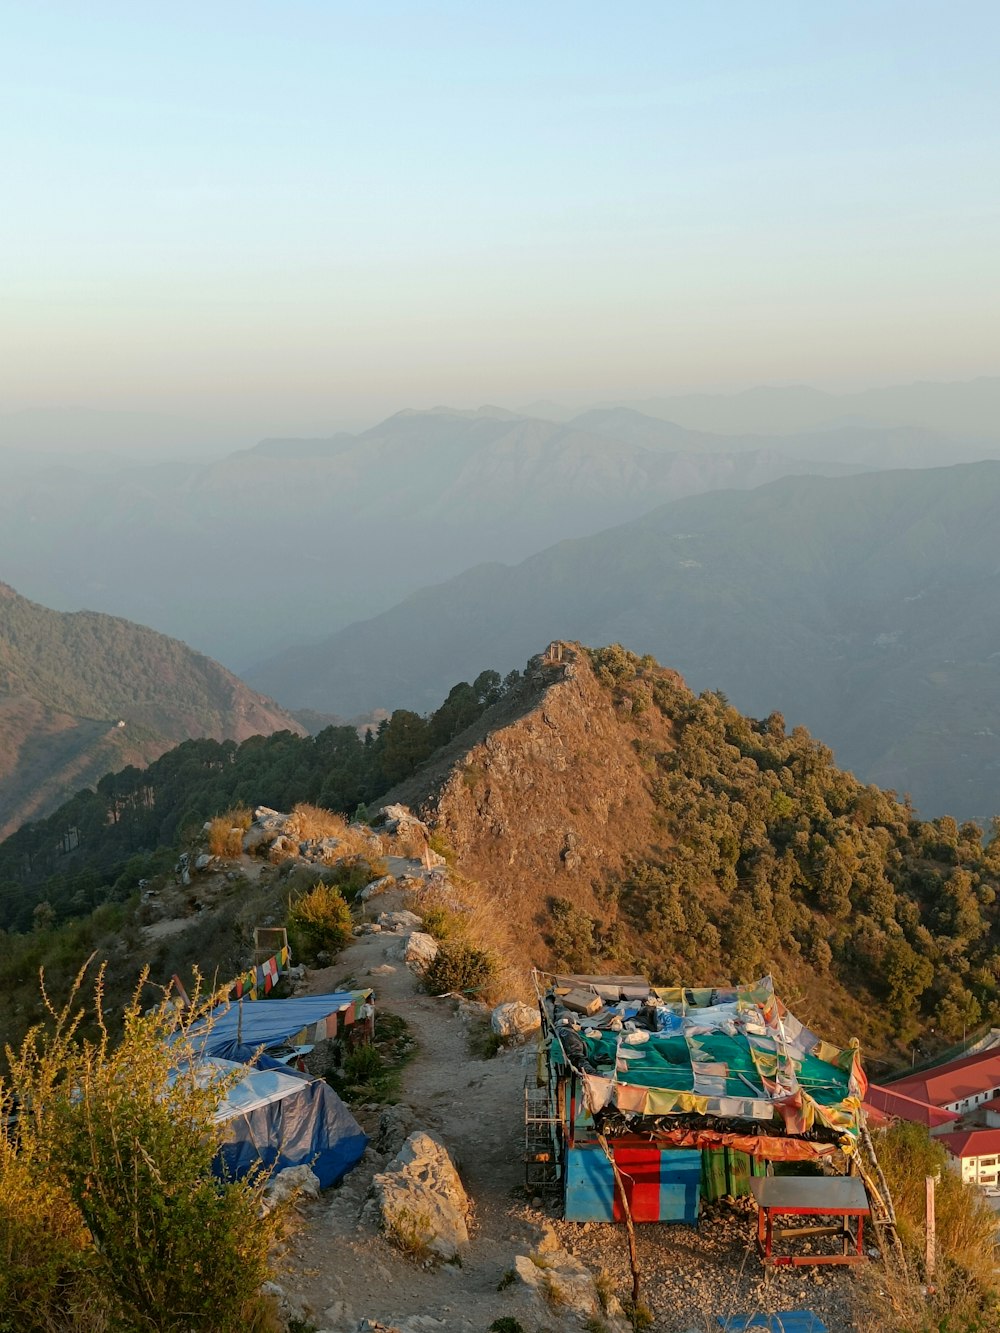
{"x": 885, "y": 1298}
{"x": 466, "y": 913}
{"x": 225, "y": 831}
{"x": 309, "y": 823}
{"x": 962, "y": 1296}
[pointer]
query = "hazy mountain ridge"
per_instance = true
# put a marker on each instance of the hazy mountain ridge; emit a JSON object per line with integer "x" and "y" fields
{"x": 970, "y": 408}
{"x": 424, "y": 495}
{"x": 866, "y": 608}
{"x": 68, "y": 679}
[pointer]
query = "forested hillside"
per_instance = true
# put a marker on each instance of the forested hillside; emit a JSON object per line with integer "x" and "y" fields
{"x": 618, "y": 822}
{"x": 98, "y": 845}
{"x": 82, "y": 694}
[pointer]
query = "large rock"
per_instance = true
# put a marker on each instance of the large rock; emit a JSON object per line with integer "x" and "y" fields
{"x": 557, "y": 1292}
{"x": 292, "y": 1183}
{"x": 267, "y": 825}
{"x": 418, "y": 951}
{"x": 514, "y": 1021}
{"x": 420, "y": 1200}
{"x": 400, "y": 921}
{"x": 377, "y": 886}
{"x": 398, "y": 819}
{"x": 395, "y": 1125}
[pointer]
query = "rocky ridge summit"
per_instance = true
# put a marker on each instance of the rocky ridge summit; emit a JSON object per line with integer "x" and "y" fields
{"x": 83, "y": 694}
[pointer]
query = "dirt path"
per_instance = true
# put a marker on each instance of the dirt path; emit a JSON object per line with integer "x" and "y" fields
{"x": 475, "y": 1106}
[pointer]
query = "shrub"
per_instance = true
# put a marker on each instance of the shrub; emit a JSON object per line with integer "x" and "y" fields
{"x": 362, "y": 1065}
{"x": 225, "y": 832}
{"x": 319, "y": 920}
{"x": 122, "y": 1140}
{"x": 459, "y": 967}
{"x": 442, "y": 922}
{"x": 48, "y": 1275}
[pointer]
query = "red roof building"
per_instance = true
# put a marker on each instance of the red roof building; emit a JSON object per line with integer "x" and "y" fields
{"x": 886, "y": 1104}
{"x": 975, "y": 1153}
{"x": 960, "y": 1085}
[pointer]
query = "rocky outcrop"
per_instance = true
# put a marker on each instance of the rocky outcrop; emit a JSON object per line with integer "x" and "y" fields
{"x": 554, "y": 799}
{"x": 420, "y": 1201}
{"x": 418, "y": 951}
{"x": 514, "y": 1021}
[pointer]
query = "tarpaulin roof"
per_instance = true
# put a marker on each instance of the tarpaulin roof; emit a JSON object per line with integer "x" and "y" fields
{"x": 232, "y": 1029}
{"x": 279, "y": 1117}
{"x": 735, "y": 1053}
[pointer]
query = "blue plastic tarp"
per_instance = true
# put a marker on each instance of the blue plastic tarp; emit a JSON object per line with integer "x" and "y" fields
{"x": 268, "y": 1023}
{"x": 786, "y": 1321}
{"x": 281, "y": 1117}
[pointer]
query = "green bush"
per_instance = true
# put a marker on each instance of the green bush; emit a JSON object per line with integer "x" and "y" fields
{"x": 319, "y": 920}
{"x": 363, "y": 1065}
{"x": 459, "y": 967}
{"x": 131, "y": 1228}
{"x": 442, "y": 922}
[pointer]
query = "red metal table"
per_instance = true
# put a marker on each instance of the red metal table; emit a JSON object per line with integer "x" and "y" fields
{"x": 843, "y": 1197}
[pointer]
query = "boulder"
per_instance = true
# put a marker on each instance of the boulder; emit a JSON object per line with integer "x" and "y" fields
{"x": 292, "y": 1183}
{"x": 393, "y": 817}
{"x": 267, "y": 825}
{"x": 400, "y": 921}
{"x": 420, "y": 1200}
{"x": 323, "y": 849}
{"x": 395, "y": 1124}
{"x": 376, "y": 886}
{"x": 514, "y": 1021}
{"x": 283, "y": 845}
{"x": 557, "y": 1292}
{"x": 418, "y": 951}
{"x": 203, "y": 861}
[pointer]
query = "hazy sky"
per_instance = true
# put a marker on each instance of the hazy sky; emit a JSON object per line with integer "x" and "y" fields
{"x": 288, "y": 215}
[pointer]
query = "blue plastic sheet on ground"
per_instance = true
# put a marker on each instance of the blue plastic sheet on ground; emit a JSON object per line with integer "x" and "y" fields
{"x": 785, "y": 1321}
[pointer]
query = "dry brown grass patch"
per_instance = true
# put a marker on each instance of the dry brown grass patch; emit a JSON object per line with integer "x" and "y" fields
{"x": 307, "y": 822}
{"x": 225, "y": 831}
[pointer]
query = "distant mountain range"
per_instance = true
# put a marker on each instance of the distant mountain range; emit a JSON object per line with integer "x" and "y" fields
{"x": 84, "y": 694}
{"x": 291, "y": 540}
{"x": 866, "y": 608}
{"x": 959, "y": 408}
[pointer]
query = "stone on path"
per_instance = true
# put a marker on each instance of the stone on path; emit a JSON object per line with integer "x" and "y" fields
{"x": 420, "y": 1200}
{"x": 418, "y": 951}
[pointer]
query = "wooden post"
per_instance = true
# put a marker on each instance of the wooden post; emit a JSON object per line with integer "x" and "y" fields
{"x": 633, "y": 1257}
{"x": 930, "y": 1251}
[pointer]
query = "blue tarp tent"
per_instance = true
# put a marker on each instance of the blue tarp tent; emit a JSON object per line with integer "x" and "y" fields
{"x": 283, "y": 1118}
{"x": 229, "y": 1033}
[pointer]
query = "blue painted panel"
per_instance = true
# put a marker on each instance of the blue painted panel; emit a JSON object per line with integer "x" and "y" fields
{"x": 680, "y": 1184}
{"x": 590, "y": 1186}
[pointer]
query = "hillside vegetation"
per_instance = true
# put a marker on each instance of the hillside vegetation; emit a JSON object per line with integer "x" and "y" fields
{"x": 97, "y": 845}
{"x": 615, "y": 821}
{"x": 627, "y": 824}
{"x": 68, "y": 680}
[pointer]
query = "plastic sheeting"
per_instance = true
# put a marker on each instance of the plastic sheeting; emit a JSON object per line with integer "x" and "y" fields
{"x": 281, "y": 1118}
{"x": 227, "y": 1032}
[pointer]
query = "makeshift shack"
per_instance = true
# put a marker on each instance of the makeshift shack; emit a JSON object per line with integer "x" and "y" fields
{"x": 279, "y": 1117}
{"x": 682, "y": 1093}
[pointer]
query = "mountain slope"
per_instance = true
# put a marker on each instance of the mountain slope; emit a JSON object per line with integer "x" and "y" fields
{"x": 866, "y": 608}
{"x": 619, "y": 823}
{"x": 82, "y": 694}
